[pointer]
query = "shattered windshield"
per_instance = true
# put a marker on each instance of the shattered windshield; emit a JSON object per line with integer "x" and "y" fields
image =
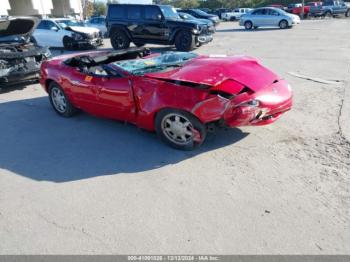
{"x": 155, "y": 64}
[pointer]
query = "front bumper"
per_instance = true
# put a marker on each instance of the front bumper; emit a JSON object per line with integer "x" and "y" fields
{"x": 95, "y": 42}
{"x": 269, "y": 105}
{"x": 203, "y": 39}
{"x": 19, "y": 78}
{"x": 256, "y": 116}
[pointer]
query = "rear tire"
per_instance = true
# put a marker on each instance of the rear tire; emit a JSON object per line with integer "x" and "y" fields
{"x": 185, "y": 41}
{"x": 119, "y": 40}
{"x": 59, "y": 101}
{"x": 248, "y": 25}
{"x": 180, "y": 129}
{"x": 283, "y": 24}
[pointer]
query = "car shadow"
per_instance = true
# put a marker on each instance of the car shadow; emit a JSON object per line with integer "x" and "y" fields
{"x": 11, "y": 88}
{"x": 38, "y": 144}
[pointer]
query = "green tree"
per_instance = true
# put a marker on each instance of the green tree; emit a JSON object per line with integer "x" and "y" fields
{"x": 100, "y": 8}
{"x": 185, "y": 3}
{"x": 112, "y": 2}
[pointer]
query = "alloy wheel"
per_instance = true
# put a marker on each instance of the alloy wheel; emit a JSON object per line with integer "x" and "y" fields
{"x": 58, "y": 100}
{"x": 177, "y": 128}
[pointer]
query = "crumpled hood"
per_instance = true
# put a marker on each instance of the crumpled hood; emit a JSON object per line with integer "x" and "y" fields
{"x": 85, "y": 30}
{"x": 22, "y": 26}
{"x": 213, "y": 71}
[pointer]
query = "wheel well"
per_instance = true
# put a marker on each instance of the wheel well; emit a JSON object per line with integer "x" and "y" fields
{"x": 284, "y": 21}
{"x": 178, "y": 109}
{"x": 249, "y": 21}
{"x": 47, "y": 84}
{"x": 121, "y": 28}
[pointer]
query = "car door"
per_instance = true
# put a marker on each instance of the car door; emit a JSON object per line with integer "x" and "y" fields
{"x": 272, "y": 18}
{"x": 83, "y": 90}
{"x": 134, "y": 18}
{"x": 257, "y": 17}
{"x": 102, "y": 94}
{"x": 48, "y": 33}
{"x": 154, "y": 24}
{"x": 114, "y": 97}
{"x": 341, "y": 7}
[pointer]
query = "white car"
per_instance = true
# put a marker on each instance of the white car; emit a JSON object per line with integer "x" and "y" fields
{"x": 236, "y": 14}
{"x": 99, "y": 23}
{"x": 67, "y": 33}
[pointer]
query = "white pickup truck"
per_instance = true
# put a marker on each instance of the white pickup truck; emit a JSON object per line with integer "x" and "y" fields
{"x": 236, "y": 14}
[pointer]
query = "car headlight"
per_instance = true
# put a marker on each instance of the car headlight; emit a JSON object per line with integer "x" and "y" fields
{"x": 196, "y": 30}
{"x": 252, "y": 103}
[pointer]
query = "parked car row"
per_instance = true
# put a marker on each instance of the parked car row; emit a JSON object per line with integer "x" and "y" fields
{"x": 155, "y": 24}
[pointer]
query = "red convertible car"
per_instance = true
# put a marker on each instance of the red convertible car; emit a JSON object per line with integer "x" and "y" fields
{"x": 178, "y": 95}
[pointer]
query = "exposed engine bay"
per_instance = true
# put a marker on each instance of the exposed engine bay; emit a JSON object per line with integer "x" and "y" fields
{"x": 20, "y": 58}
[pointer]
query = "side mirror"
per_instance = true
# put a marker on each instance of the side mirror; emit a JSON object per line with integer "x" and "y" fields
{"x": 159, "y": 17}
{"x": 54, "y": 28}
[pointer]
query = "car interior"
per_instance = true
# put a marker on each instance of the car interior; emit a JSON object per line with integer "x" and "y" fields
{"x": 98, "y": 65}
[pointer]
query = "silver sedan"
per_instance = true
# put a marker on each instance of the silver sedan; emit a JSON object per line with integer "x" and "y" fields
{"x": 268, "y": 17}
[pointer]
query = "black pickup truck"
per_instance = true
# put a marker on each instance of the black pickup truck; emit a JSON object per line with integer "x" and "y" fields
{"x": 330, "y": 8}
{"x": 154, "y": 24}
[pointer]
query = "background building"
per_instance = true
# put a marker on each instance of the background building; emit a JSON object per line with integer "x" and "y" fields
{"x": 41, "y": 8}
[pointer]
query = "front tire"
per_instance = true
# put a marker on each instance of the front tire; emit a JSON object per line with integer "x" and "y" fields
{"x": 120, "y": 40}
{"x": 328, "y": 14}
{"x": 68, "y": 43}
{"x": 248, "y": 25}
{"x": 59, "y": 101}
{"x": 185, "y": 41}
{"x": 180, "y": 129}
{"x": 283, "y": 24}
{"x": 347, "y": 14}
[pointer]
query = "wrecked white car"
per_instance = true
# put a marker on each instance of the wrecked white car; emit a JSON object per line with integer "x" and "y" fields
{"x": 20, "y": 57}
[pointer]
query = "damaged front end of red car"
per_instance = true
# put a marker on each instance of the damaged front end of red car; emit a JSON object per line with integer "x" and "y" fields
{"x": 233, "y": 104}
